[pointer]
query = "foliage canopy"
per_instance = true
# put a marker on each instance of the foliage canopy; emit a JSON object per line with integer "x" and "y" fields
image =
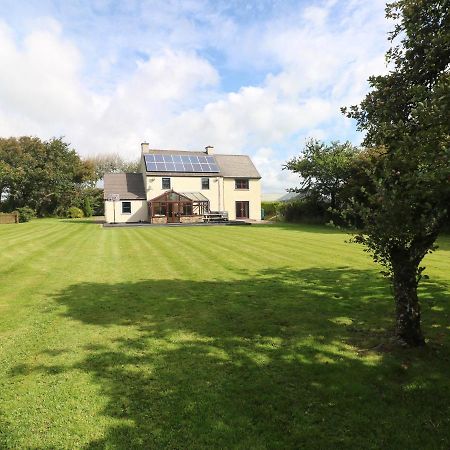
{"x": 323, "y": 168}
{"x": 39, "y": 174}
{"x": 406, "y": 114}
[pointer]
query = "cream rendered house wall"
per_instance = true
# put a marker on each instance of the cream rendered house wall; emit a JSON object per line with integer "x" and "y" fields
{"x": 188, "y": 184}
{"x": 139, "y": 211}
{"x": 222, "y": 193}
{"x": 251, "y": 195}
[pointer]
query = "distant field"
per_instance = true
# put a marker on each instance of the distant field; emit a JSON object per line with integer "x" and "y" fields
{"x": 212, "y": 337}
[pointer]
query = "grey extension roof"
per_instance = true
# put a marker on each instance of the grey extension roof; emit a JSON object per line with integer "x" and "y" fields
{"x": 130, "y": 186}
{"x": 230, "y": 166}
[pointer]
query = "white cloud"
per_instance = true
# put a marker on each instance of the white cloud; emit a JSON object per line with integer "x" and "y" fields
{"x": 314, "y": 62}
{"x": 270, "y": 167}
{"x": 40, "y": 87}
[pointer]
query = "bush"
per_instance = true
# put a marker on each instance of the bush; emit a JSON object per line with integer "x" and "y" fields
{"x": 98, "y": 204}
{"x": 270, "y": 209}
{"x": 26, "y": 214}
{"x": 75, "y": 213}
{"x": 87, "y": 208}
{"x": 306, "y": 210}
{"x": 61, "y": 211}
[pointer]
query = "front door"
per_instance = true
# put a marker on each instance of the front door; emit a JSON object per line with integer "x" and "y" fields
{"x": 173, "y": 215}
{"x": 242, "y": 210}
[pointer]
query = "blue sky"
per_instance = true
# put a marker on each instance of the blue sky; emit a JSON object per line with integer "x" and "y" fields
{"x": 253, "y": 77}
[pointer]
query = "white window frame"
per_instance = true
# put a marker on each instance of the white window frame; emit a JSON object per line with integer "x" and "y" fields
{"x": 123, "y": 204}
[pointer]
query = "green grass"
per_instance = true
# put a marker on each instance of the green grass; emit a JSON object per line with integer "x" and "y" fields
{"x": 212, "y": 337}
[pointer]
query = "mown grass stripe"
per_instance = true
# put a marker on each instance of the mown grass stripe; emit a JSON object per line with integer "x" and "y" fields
{"x": 30, "y": 238}
{"x": 249, "y": 337}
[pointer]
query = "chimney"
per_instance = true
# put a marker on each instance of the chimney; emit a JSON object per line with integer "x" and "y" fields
{"x": 145, "y": 147}
{"x": 209, "y": 149}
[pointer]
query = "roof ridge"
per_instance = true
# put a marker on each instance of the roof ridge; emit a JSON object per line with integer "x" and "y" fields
{"x": 231, "y": 154}
{"x": 122, "y": 173}
{"x": 173, "y": 150}
{"x": 194, "y": 151}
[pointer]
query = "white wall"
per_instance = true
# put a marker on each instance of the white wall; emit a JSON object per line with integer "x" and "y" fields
{"x": 252, "y": 195}
{"x": 218, "y": 187}
{"x": 139, "y": 211}
{"x": 188, "y": 184}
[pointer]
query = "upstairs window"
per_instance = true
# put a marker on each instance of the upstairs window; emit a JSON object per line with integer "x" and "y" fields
{"x": 166, "y": 183}
{"x": 241, "y": 183}
{"x": 205, "y": 183}
{"x": 126, "y": 207}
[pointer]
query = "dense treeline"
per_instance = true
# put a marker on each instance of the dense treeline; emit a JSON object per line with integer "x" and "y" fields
{"x": 49, "y": 178}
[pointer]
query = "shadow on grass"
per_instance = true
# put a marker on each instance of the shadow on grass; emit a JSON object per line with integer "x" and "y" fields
{"x": 307, "y": 227}
{"x": 279, "y": 361}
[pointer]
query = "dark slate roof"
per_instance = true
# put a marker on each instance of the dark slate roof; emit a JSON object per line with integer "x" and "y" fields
{"x": 130, "y": 186}
{"x": 236, "y": 166}
{"x": 231, "y": 166}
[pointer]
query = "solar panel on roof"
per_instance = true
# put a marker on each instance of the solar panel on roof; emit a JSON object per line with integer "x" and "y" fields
{"x": 180, "y": 163}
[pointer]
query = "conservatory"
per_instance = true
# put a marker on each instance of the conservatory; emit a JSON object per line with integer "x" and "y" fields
{"x": 174, "y": 207}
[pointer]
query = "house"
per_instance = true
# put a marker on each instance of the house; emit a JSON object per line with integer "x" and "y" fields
{"x": 182, "y": 186}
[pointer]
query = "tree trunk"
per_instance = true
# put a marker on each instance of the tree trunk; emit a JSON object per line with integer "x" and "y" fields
{"x": 408, "y": 328}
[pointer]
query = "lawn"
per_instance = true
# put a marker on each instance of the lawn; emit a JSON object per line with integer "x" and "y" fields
{"x": 212, "y": 337}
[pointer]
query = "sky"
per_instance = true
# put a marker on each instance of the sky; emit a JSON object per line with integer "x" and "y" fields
{"x": 248, "y": 77}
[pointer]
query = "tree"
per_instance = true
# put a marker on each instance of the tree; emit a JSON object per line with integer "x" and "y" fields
{"x": 10, "y": 169}
{"x": 406, "y": 117}
{"x": 111, "y": 163}
{"x": 39, "y": 174}
{"x": 323, "y": 169}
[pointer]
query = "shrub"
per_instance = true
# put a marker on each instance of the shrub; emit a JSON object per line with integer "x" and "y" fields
{"x": 26, "y": 214}
{"x": 87, "y": 208}
{"x": 270, "y": 209}
{"x": 99, "y": 208}
{"x": 307, "y": 210}
{"x": 75, "y": 213}
{"x": 97, "y": 203}
{"x": 61, "y": 211}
